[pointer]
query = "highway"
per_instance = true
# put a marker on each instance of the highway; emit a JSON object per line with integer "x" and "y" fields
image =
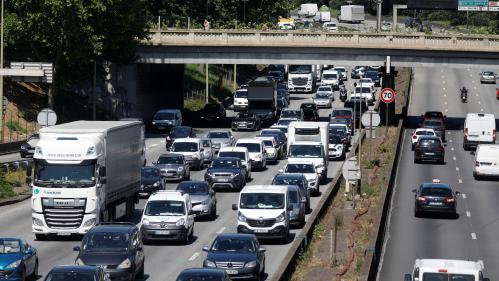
{"x": 473, "y": 235}
{"x": 166, "y": 261}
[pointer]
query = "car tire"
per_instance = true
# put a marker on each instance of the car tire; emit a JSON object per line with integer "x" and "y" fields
{"x": 34, "y": 274}
{"x": 140, "y": 274}
{"x": 417, "y": 213}
{"x": 191, "y": 236}
{"x": 285, "y": 238}
{"x": 214, "y": 212}
{"x": 416, "y": 161}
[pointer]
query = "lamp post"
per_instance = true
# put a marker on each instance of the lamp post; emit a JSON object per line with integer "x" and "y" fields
{"x": 207, "y": 3}
{"x": 1, "y": 76}
{"x": 378, "y": 22}
{"x": 244, "y": 10}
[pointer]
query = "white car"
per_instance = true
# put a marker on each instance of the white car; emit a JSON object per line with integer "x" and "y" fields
{"x": 343, "y": 72}
{"x": 308, "y": 169}
{"x": 241, "y": 99}
{"x": 486, "y": 161}
{"x": 331, "y": 78}
{"x": 322, "y": 100}
{"x": 421, "y": 132}
{"x": 330, "y": 26}
{"x": 256, "y": 150}
{"x": 208, "y": 150}
{"x": 336, "y": 147}
{"x": 366, "y": 82}
{"x": 440, "y": 269}
{"x": 285, "y": 121}
{"x": 366, "y": 92}
{"x": 192, "y": 149}
{"x": 326, "y": 90}
{"x": 271, "y": 146}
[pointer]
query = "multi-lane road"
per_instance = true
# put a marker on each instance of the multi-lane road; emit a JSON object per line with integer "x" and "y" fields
{"x": 473, "y": 235}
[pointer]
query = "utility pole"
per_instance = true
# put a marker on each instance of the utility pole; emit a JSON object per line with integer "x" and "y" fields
{"x": 94, "y": 94}
{"x": 207, "y": 87}
{"x": 1, "y": 76}
{"x": 244, "y": 10}
{"x": 378, "y": 23}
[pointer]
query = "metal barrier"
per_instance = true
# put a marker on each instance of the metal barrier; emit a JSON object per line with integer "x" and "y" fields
{"x": 16, "y": 165}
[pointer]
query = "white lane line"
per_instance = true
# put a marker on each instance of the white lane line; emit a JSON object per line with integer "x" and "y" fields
{"x": 457, "y": 168}
{"x": 471, "y": 75}
{"x": 460, "y": 180}
{"x": 464, "y": 195}
{"x": 477, "y": 95}
{"x": 443, "y": 82}
{"x": 163, "y": 141}
{"x": 479, "y": 102}
{"x": 472, "y": 81}
{"x": 446, "y": 110}
{"x": 448, "y": 133}
{"x": 444, "y": 90}
{"x": 445, "y": 95}
{"x": 153, "y": 145}
{"x": 468, "y": 214}
{"x": 481, "y": 109}
{"x": 221, "y": 230}
{"x": 445, "y": 102}
{"x": 450, "y": 141}
{"x": 454, "y": 158}
{"x": 194, "y": 256}
{"x": 473, "y": 236}
{"x": 452, "y": 148}
{"x": 474, "y": 88}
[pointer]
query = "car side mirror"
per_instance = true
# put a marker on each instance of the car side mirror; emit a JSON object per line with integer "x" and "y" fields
{"x": 262, "y": 250}
{"x": 234, "y": 207}
{"x": 76, "y": 248}
{"x": 407, "y": 277}
{"x": 290, "y": 208}
{"x": 281, "y": 170}
{"x": 206, "y": 248}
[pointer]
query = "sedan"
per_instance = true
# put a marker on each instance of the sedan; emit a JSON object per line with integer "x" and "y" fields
{"x": 488, "y": 77}
{"x": 239, "y": 254}
{"x": 421, "y": 132}
{"x": 226, "y": 172}
{"x": 322, "y": 100}
{"x": 326, "y": 90}
{"x": 435, "y": 197}
{"x": 222, "y": 138}
{"x": 436, "y": 124}
{"x": 296, "y": 200}
{"x": 173, "y": 166}
{"x": 246, "y": 120}
{"x": 18, "y": 260}
{"x": 429, "y": 148}
{"x": 289, "y": 113}
{"x": 203, "y": 199}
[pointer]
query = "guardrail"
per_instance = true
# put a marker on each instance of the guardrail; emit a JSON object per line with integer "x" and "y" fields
{"x": 323, "y": 39}
{"x": 15, "y": 165}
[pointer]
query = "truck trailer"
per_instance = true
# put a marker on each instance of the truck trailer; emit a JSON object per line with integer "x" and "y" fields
{"x": 351, "y": 14}
{"x": 262, "y": 98}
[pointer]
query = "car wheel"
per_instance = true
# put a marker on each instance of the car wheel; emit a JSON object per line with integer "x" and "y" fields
{"x": 285, "y": 237}
{"x": 141, "y": 272}
{"x": 416, "y": 161}
{"x": 191, "y": 235}
{"x": 34, "y": 275}
{"x": 214, "y": 212}
{"x": 417, "y": 213}
{"x": 412, "y": 147}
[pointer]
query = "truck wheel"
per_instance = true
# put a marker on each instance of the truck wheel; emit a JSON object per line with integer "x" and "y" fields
{"x": 40, "y": 237}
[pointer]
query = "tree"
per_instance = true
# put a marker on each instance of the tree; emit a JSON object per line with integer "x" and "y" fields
{"x": 72, "y": 34}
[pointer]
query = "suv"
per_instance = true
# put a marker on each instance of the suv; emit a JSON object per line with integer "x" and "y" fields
{"x": 435, "y": 197}
{"x": 74, "y": 273}
{"x": 177, "y": 133}
{"x": 168, "y": 215}
{"x": 116, "y": 247}
{"x": 165, "y": 119}
{"x": 429, "y": 148}
{"x": 226, "y": 172}
{"x": 173, "y": 166}
{"x": 213, "y": 112}
{"x": 242, "y": 154}
{"x": 436, "y": 124}
{"x": 203, "y": 199}
{"x": 192, "y": 149}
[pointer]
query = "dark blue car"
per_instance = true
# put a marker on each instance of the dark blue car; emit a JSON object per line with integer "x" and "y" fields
{"x": 18, "y": 259}
{"x": 374, "y": 75}
{"x": 150, "y": 180}
{"x": 202, "y": 274}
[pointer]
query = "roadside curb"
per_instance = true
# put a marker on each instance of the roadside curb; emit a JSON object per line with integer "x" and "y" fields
{"x": 17, "y": 199}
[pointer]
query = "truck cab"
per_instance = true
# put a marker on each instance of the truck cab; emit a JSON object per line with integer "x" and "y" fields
{"x": 302, "y": 78}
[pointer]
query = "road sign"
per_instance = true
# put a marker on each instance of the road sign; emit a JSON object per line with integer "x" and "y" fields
{"x": 370, "y": 118}
{"x": 387, "y": 95}
{"x": 46, "y": 117}
{"x": 477, "y": 5}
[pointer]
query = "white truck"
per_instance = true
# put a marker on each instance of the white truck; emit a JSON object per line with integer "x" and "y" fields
{"x": 351, "y": 14}
{"x": 308, "y": 10}
{"x": 310, "y": 140}
{"x": 302, "y": 78}
{"x": 85, "y": 172}
{"x": 322, "y": 16}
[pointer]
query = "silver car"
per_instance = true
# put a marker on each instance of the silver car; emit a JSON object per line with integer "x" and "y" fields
{"x": 297, "y": 215}
{"x": 208, "y": 152}
{"x": 322, "y": 100}
{"x": 488, "y": 77}
{"x": 203, "y": 199}
{"x": 223, "y": 138}
{"x": 173, "y": 166}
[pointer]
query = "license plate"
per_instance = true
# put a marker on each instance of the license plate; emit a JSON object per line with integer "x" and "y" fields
{"x": 63, "y": 233}
{"x": 260, "y": 230}
{"x": 162, "y": 232}
{"x": 436, "y": 203}
{"x": 430, "y": 153}
{"x": 64, "y": 202}
{"x": 231, "y": 271}
{"x": 161, "y": 128}
{"x": 223, "y": 180}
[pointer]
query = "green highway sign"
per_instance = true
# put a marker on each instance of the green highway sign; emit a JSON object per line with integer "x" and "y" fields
{"x": 469, "y": 3}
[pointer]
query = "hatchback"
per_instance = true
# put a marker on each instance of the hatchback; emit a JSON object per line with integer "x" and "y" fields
{"x": 77, "y": 273}
{"x": 429, "y": 148}
{"x": 18, "y": 259}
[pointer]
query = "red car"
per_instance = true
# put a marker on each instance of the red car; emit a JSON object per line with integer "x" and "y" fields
{"x": 497, "y": 93}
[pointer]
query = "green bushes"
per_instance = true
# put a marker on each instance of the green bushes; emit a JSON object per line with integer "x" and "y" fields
{"x": 15, "y": 127}
{"x": 6, "y": 188}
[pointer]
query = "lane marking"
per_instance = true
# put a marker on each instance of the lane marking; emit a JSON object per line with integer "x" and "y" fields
{"x": 464, "y": 195}
{"x": 448, "y": 133}
{"x": 474, "y": 88}
{"x": 460, "y": 180}
{"x": 446, "y": 110}
{"x": 221, "y": 230}
{"x": 444, "y": 90}
{"x": 163, "y": 141}
{"x": 457, "y": 168}
{"x": 194, "y": 256}
{"x": 468, "y": 214}
{"x": 153, "y": 145}
{"x": 481, "y": 109}
{"x": 473, "y": 236}
{"x": 452, "y": 148}
{"x": 477, "y": 95}
{"x": 454, "y": 158}
{"x": 472, "y": 81}
{"x": 479, "y": 102}
{"x": 445, "y": 102}
{"x": 445, "y": 95}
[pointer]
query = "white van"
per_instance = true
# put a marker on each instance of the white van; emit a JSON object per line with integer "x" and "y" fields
{"x": 264, "y": 210}
{"x": 241, "y": 99}
{"x": 479, "y": 128}
{"x": 192, "y": 149}
{"x": 308, "y": 10}
{"x": 257, "y": 152}
{"x": 486, "y": 160}
{"x": 440, "y": 269}
{"x": 238, "y": 152}
{"x": 331, "y": 78}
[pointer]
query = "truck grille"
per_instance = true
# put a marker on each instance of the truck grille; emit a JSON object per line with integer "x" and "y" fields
{"x": 299, "y": 81}
{"x": 230, "y": 264}
{"x": 64, "y": 218}
{"x": 261, "y": 223}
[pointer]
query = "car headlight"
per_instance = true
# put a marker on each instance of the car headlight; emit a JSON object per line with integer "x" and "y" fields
{"x": 208, "y": 263}
{"x": 145, "y": 222}
{"x": 89, "y": 222}
{"x": 281, "y": 217}
{"x": 14, "y": 264}
{"x": 79, "y": 262}
{"x": 37, "y": 222}
{"x": 180, "y": 169}
{"x": 206, "y": 202}
{"x": 168, "y": 138}
{"x": 125, "y": 264}
{"x": 154, "y": 123}
{"x": 180, "y": 222}
{"x": 250, "y": 264}
{"x": 258, "y": 157}
{"x": 241, "y": 217}
{"x": 23, "y": 146}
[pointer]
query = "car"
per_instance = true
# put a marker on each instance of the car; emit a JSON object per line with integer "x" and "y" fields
{"x": 364, "y": 81}
{"x": 290, "y": 113}
{"x": 203, "y": 198}
{"x": 429, "y": 148}
{"x": 357, "y": 71}
{"x": 330, "y": 26}
{"x": 366, "y": 92}
{"x": 342, "y": 131}
{"x": 285, "y": 121}
{"x": 18, "y": 259}
{"x": 295, "y": 179}
{"x": 326, "y": 90}
{"x": 213, "y": 112}
{"x": 488, "y": 77}
{"x": 277, "y": 75}
{"x": 436, "y": 124}
{"x": 344, "y": 121}
{"x": 421, "y": 132}
{"x": 310, "y": 112}
{"x": 281, "y": 103}
{"x": 279, "y": 135}
{"x": 221, "y": 138}
{"x": 168, "y": 216}
{"x": 150, "y": 180}
{"x": 241, "y": 153}
{"x": 117, "y": 247}
{"x": 282, "y": 128}
{"x": 211, "y": 274}
{"x": 342, "y": 71}
{"x": 226, "y": 172}
{"x": 331, "y": 78}
{"x": 239, "y": 254}
{"x": 256, "y": 150}
{"x": 337, "y": 147}
{"x": 486, "y": 165}
{"x": 434, "y": 115}
{"x": 192, "y": 149}
{"x": 165, "y": 119}
{"x": 208, "y": 150}
{"x": 447, "y": 269}
{"x": 241, "y": 99}
{"x": 435, "y": 197}
{"x": 177, "y": 133}
{"x": 308, "y": 169}
{"x": 246, "y": 120}
{"x": 77, "y": 273}
{"x": 342, "y": 112}
{"x": 298, "y": 203}
{"x": 27, "y": 149}
{"x": 173, "y": 166}
{"x": 272, "y": 148}
{"x": 358, "y": 106}
{"x": 323, "y": 100}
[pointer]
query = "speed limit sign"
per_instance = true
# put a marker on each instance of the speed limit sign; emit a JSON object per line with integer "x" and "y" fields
{"x": 387, "y": 95}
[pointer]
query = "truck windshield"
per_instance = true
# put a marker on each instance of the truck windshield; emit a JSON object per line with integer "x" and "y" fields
{"x": 305, "y": 151}
{"x": 447, "y": 277}
{"x": 184, "y": 147}
{"x": 64, "y": 175}
{"x": 300, "y": 69}
{"x": 241, "y": 94}
{"x": 262, "y": 201}
{"x": 300, "y": 168}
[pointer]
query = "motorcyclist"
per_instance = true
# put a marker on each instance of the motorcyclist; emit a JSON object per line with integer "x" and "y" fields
{"x": 464, "y": 93}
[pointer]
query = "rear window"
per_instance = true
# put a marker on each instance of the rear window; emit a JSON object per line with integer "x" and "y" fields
{"x": 436, "y": 192}
{"x": 432, "y": 123}
{"x": 447, "y": 277}
{"x": 424, "y": 133}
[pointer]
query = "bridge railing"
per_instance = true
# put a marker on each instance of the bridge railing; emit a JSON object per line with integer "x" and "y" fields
{"x": 323, "y": 39}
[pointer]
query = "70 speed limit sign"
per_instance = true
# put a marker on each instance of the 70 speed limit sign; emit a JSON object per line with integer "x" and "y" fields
{"x": 387, "y": 95}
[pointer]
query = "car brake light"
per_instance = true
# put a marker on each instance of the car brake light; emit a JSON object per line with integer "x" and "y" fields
{"x": 442, "y": 270}
{"x": 465, "y": 133}
{"x": 477, "y": 164}
{"x": 422, "y": 199}
{"x": 450, "y": 200}
{"x": 494, "y": 134}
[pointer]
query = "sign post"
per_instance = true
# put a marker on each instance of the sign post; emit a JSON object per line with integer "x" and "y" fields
{"x": 371, "y": 120}
{"x": 387, "y": 95}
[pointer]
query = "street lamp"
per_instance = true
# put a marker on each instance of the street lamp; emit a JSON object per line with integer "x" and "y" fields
{"x": 378, "y": 22}
{"x": 1, "y": 66}
{"x": 244, "y": 10}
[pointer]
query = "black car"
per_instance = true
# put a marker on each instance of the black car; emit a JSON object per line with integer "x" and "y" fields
{"x": 246, "y": 120}
{"x": 374, "y": 75}
{"x": 435, "y": 197}
{"x": 342, "y": 133}
{"x": 213, "y": 112}
{"x": 117, "y": 247}
{"x": 77, "y": 273}
{"x": 239, "y": 254}
{"x": 226, "y": 172}
{"x": 289, "y": 113}
{"x": 28, "y": 148}
{"x": 202, "y": 274}
{"x": 310, "y": 112}
{"x": 178, "y": 133}
{"x": 356, "y": 71}
{"x": 429, "y": 148}
{"x": 437, "y": 124}
{"x": 277, "y": 75}
{"x": 294, "y": 179}
{"x": 150, "y": 180}
{"x": 434, "y": 114}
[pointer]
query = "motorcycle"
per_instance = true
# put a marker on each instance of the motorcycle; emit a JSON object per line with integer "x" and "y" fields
{"x": 343, "y": 95}
{"x": 464, "y": 96}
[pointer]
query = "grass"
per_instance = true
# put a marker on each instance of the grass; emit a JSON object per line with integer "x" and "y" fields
{"x": 194, "y": 104}
{"x": 15, "y": 127}
{"x": 6, "y": 188}
{"x": 16, "y": 178}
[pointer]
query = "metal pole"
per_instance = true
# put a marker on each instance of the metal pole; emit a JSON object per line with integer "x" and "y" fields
{"x": 207, "y": 2}
{"x": 206, "y": 83}
{"x": 159, "y": 23}
{"x": 370, "y": 133}
{"x": 1, "y": 66}
{"x": 378, "y": 23}
{"x": 235, "y": 77}
{"x": 360, "y": 135}
{"x": 94, "y": 94}
{"x": 244, "y": 10}
{"x": 395, "y": 14}
{"x": 188, "y": 23}
{"x": 388, "y": 71}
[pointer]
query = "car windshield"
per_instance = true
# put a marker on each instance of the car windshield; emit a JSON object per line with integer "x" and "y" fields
{"x": 436, "y": 192}
{"x": 338, "y": 113}
{"x": 252, "y": 147}
{"x": 362, "y": 90}
{"x": 9, "y": 246}
{"x": 334, "y": 139}
{"x": 268, "y": 143}
{"x": 235, "y": 245}
{"x": 425, "y": 133}
{"x": 324, "y": 89}
{"x": 372, "y": 74}
{"x": 149, "y": 172}
{"x": 284, "y": 122}
{"x": 224, "y": 163}
{"x": 300, "y": 168}
{"x": 185, "y": 147}
{"x": 262, "y": 201}
{"x": 432, "y": 123}
{"x": 211, "y": 107}
{"x": 102, "y": 240}
{"x": 365, "y": 80}
{"x": 71, "y": 276}
{"x": 165, "y": 208}
{"x": 287, "y": 181}
{"x": 433, "y": 114}
{"x": 201, "y": 276}
{"x": 193, "y": 188}
{"x": 329, "y": 76}
{"x": 218, "y": 135}
{"x": 335, "y": 130}
{"x": 241, "y": 94}
{"x": 427, "y": 276}
{"x": 340, "y": 69}
{"x": 290, "y": 114}
{"x": 283, "y": 130}
{"x": 245, "y": 115}
{"x": 170, "y": 160}
{"x": 321, "y": 96}
{"x": 307, "y": 151}
{"x": 180, "y": 132}
{"x": 164, "y": 116}
{"x": 488, "y": 73}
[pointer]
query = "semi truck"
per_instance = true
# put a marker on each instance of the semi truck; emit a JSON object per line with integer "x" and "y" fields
{"x": 262, "y": 98}
{"x": 351, "y": 14}
{"x": 302, "y": 78}
{"x": 85, "y": 172}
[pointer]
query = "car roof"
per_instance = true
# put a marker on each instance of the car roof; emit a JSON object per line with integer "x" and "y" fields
{"x": 265, "y": 138}
{"x": 227, "y": 158}
{"x": 187, "y": 140}
{"x": 264, "y": 188}
{"x": 435, "y": 119}
{"x": 218, "y": 131}
{"x": 167, "y": 110}
{"x": 73, "y": 268}
{"x": 183, "y": 127}
{"x": 236, "y": 236}
{"x": 424, "y": 129}
{"x": 162, "y": 195}
{"x": 300, "y": 161}
{"x": 248, "y": 140}
{"x": 429, "y": 137}
{"x": 233, "y": 148}
{"x": 449, "y": 264}
{"x": 290, "y": 175}
{"x": 435, "y": 185}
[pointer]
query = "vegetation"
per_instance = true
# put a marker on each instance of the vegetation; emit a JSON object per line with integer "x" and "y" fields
{"x": 6, "y": 187}
{"x": 15, "y": 127}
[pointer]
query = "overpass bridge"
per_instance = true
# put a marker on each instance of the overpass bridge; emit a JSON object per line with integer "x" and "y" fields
{"x": 299, "y": 47}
